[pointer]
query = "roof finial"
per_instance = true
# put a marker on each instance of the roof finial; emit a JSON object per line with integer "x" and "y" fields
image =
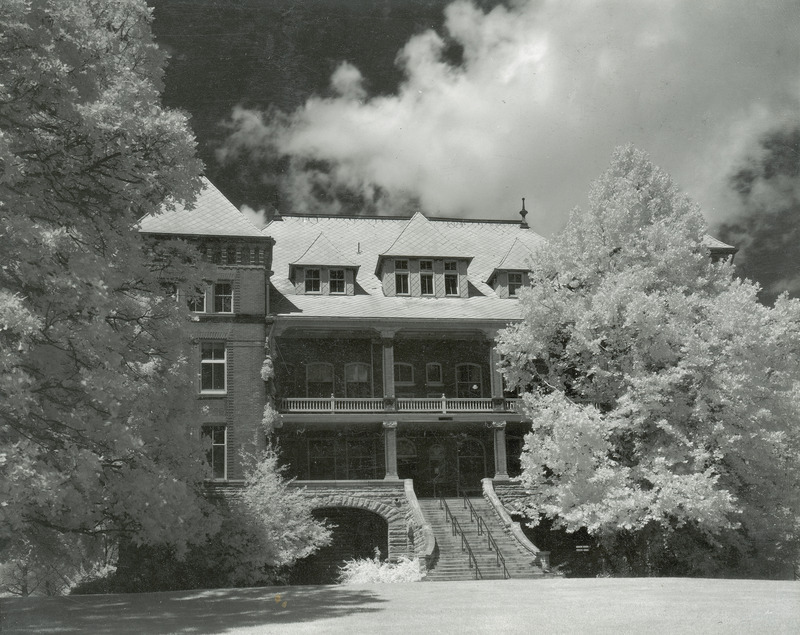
{"x": 523, "y": 212}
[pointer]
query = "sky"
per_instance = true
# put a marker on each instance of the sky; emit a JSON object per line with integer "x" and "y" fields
{"x": 501, "y": 101}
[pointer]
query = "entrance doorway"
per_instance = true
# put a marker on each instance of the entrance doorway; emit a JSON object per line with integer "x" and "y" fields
{"x": 471, "y": 457}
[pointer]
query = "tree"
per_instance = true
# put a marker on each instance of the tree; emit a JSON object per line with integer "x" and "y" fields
{"x": 665, "y": 398}
{"x": 94, "y": 440}
{"x": 266, "y": 526}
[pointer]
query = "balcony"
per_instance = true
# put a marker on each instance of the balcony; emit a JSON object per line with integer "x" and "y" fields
{"x": 441, "y": 405}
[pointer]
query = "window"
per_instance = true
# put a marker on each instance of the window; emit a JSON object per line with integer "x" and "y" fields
{"x": 246, "y": 255}
{"x": 401, "y": 277}
{"x": 213, "y": 367}
{"x": 356, "y": 380}
{"x": 433, "y": 373}
{"x": 197, "y": 301}
{"x": 312, "y": 281}
{"x": 426, "y": 277}
{"x": 319, "y": 379}
{"x": 514, "y": 283}
{"x": 337, "y": 280}
{"x": 223, "y": 297}
{"x": 216, "y": 454}
{"x": 403, "y": 373}
{"x": 468, "y": 381}
{"x": 451, "y": 278}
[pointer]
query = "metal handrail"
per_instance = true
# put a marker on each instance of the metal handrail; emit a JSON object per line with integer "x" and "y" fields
{"x": 490, "y": 541}
{"x": 464, "y": 542}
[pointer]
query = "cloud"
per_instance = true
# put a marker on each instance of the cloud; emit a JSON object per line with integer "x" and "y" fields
{"x": 542, "y": 94}
{"x": 256, "y": 216}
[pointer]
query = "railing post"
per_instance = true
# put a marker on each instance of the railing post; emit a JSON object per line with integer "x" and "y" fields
{"x": 444, "y": 404}
{"x": 333, "y": 404}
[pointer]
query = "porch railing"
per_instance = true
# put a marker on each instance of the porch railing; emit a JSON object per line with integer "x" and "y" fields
{"x": 442, "y": 404}
{"x": 332, "y": 404}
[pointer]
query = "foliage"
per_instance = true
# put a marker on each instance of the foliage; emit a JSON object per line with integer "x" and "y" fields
{"x": 55, "y": 563}
{"x": 370, "y": 571}
{"x": 93, "y": 440}
{"x": 664, "y": 397}
{"x": 266, "y": 527}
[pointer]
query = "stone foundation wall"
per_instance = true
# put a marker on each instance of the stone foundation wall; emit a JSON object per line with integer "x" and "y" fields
{"x": 385, "y": 498}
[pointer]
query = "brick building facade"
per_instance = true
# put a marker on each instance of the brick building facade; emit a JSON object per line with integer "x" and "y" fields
{"x": 380, "y": 335}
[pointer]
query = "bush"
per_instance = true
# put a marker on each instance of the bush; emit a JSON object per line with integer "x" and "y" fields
{"x": 366, "y": 571}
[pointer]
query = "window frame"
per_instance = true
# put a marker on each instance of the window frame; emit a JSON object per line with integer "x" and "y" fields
{"x": 401, "y": 273}
{"x": 451, "y": 275}
{"x": 213, "y": 362}
{"x": 460, "y": 383}
{"x": 219, "y": 298}
{"x": 332, "y": 381}
{"x": 191, "y": 298}
{"x": 210, "y": 431}
{"x": 514, "y": 287}
{"x": 433, "y": 382}
{"x": 403, "y": 382}
{"x": 347, "y": 383}
{"x": 342, "y": 280}
{"x": 426, "y": 277}
{"x": 312, "y": 279}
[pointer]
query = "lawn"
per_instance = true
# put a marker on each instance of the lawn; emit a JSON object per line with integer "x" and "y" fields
{"x": 652, "y": 605}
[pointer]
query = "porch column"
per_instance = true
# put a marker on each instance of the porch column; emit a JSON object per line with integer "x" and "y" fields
{"x": 495, "y": 376}
{"x": 500, "y": 468}
{"x": 387, "y": 340}
{"x": 390, "y": 449}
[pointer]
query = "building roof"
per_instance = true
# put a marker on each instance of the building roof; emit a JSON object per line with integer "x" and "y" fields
{"x": 363, "y": 240}
{"x": 211, "y": 215}
{"x": 717, "y": 246}
{"x": 517, "y": 259}
{"x": 323, "y": 252}
{"x": 421, "y": 238}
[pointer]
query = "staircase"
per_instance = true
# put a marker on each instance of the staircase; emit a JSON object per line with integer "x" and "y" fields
{"x": 454, "y": 563}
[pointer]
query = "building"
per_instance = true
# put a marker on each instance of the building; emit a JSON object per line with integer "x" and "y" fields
{"x": 380, "y": 379}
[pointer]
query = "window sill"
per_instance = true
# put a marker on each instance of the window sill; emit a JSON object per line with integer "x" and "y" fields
{"x": 212, "y": 394}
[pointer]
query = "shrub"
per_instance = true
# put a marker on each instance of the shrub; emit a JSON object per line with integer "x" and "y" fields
{"x": 366, "y": 570}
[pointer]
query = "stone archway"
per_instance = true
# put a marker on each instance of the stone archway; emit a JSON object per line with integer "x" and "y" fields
{"x": 356, "y": 533}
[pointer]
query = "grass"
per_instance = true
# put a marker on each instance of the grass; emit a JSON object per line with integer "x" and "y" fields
{"x": 608, "y": 605}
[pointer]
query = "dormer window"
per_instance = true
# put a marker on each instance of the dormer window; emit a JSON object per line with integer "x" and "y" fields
{"x": 337, "y": 281}
{"x": 426, "y": 277}
{"x": 514, "y": 283}
{"x": 451, "y": 277}
{"x": 401, "y": 277}
{"x": 312, "y": 281}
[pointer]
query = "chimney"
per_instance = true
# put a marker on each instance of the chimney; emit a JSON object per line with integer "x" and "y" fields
{"x": 523, "y": 212}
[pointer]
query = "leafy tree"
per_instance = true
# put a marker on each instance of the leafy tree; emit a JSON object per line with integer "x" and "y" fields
{"x": 266, "y": 526}
{"x": 93, "y": 439}
{"x": 665, "y": 398}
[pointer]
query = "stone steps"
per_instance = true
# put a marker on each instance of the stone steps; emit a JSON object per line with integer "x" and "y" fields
{"x": 453, "y": 563}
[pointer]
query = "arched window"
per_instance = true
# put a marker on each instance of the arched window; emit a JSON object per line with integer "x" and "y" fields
{"x": 319, "y": 379}
{"x": 433, "y": 374}
{"x": 356, "y": 380}
{"x": 468, "y": 381}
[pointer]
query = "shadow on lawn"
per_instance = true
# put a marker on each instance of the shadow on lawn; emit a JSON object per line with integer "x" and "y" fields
{"x": 207, "y": 611}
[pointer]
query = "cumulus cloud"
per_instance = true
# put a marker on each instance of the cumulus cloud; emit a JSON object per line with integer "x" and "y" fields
{"x": 256, "y": 216}
{"x": 542, "y": 93}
